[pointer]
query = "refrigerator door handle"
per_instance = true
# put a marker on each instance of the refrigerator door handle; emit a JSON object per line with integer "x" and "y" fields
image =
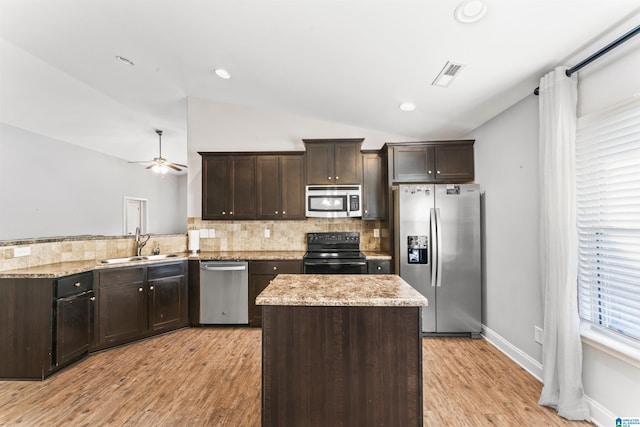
{"x": 434, "y": 249}
{"x": 439, "y": 240}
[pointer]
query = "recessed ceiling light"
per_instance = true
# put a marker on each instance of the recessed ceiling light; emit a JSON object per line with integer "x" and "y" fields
{"x": 407, "y": 106}
{"x": 470, "y": 11}
{"x": 222, "y": 73}
{"x": 125, "y": 60}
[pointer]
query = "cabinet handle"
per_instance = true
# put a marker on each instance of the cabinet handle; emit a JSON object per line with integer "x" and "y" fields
{"x": 337, "y": 178}
{"x": 230, "y": 213}
{"x": 276, "y": 212}
{"x": 92, "y": 299}
{"x": 150, "y": 288}
{"x": 429, "y": 172}
{"x": 77, "y": 284}
{"x": 284, "y": 213}
{"x": 379, "y": 268}
{"x": 224, "y": 213}
{"x": 438, "y": 172}
{"x": 139, "y": 289}
{"x": 329, "y": 178}
{"x": 366, "y": 211}
{"x": 275, "y": 268}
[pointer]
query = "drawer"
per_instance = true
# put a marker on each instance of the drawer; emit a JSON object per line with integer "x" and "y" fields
{"x": 118, "y": 276}
{"x": 275, "y": 267}
{"x": 76, "y": 284}
{"x": 379, "y": 266}
{"x": 165, "y": 270}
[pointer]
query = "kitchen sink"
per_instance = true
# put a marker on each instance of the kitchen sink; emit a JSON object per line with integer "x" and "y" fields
{"x": 156, "y": 257}
{"x": 120, "y": 260}
{"x": 137, "y": 258}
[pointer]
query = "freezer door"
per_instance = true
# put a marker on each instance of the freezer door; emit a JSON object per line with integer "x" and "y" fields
{"x": 414, "y": 245}
{"x": 458, "y": 288}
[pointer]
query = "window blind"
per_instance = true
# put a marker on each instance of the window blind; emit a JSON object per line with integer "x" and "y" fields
{"x": 608, "y": 217}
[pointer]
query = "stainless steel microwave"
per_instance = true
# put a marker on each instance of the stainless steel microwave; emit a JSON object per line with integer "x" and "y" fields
{"x": 333, "y": 201}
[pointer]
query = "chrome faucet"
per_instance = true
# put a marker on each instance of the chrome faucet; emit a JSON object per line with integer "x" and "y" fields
{"x": 141, "y": 240}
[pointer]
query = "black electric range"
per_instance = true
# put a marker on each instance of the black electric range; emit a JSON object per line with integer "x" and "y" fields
{"x": 334, "y": 253}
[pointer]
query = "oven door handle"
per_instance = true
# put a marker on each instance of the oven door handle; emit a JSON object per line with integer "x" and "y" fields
{"x": 335, "y": 263}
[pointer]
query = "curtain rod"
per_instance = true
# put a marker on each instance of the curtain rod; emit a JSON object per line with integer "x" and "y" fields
{"x": 617, "y": 42}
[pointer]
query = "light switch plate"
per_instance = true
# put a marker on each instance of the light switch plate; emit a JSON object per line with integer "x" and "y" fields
{"x": 22, "y": 251}
{"x": 267, "y": 233}
{"x": 376, "y": 232}
{"x": 538, "y": 334}
{"x": 204, "y": 233}
{"x": 212, "y": 233}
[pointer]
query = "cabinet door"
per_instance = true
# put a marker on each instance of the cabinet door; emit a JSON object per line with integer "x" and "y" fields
{"x": 268, "y": 204}
{"x": 348, "y": 163}
{"x": 257, "y": 284}
{"x": 372, "y": 187}
{"x": 320, "y": 163}
{"x": 242, "y": 178}
{"x": 73, "y": 321}
{"x": 165, "y": 303}
{"x": 122, "y": 305}
{"x": 214, "y": 187}
{"x": 292, "y": 187}
{"x": 413, "y": 164}
{"x": 454, "y": 163}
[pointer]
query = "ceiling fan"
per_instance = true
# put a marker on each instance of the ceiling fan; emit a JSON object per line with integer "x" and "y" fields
{"x": 160, "y": 164}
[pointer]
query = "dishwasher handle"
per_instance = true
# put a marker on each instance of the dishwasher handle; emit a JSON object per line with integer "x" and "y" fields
{"x": 225, "y": 268}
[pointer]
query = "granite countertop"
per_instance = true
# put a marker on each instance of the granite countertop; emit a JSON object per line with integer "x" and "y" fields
{"x": 68, "y": 268}
{"x": 340, "y": 290}
{"x": 371, "y": 255}
{"x": 247, "y": 255}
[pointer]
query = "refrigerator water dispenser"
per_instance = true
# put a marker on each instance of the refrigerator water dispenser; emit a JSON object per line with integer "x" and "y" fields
{"x": 417, "y": 249}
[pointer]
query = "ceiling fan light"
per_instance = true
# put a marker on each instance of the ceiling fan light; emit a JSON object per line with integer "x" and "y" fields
{"x": 164, "y": 169}
{"x": 156, "y": 168}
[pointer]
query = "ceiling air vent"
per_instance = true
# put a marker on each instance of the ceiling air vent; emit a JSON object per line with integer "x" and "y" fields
{"x": 447, "y": 74}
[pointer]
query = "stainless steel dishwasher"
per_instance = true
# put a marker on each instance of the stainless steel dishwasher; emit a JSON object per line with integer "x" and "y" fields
{"x": 224, "y": 292}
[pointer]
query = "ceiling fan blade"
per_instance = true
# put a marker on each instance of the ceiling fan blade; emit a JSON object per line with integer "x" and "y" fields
{"x": 178, "y": 164}
{"x": 150, "y": 166}
{"x": 172, "y": 166}
{"x": 141, "y": 161}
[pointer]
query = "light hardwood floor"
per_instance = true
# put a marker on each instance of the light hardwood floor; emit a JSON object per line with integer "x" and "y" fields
{"x": 212, "y": 377}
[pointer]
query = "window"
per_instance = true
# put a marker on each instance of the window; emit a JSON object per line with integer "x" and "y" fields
{"x": 608, "y": 209}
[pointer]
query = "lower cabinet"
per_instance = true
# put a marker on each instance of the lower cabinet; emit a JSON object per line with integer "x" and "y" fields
{"x": 45, "y": 324}
{"x": 139, "y": 301}
{"x": 261, "y": 273}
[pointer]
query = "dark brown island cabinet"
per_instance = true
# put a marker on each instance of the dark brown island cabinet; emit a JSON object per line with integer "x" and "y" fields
{"x": 139, "y": 301}
{"x": 45, "y": 324}
{"x": 333, "y": 161}
{"x": 341, "y": 351}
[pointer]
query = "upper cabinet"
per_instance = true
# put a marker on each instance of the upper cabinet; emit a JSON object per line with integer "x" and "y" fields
{"x": 334, "y": 161}
{"x": 373, "y": 188}
{"x": 239, "y": 186}
{"x": 280, "y": 186}
{"x": 228, "y": 186}
{"x": 437, "y": 161}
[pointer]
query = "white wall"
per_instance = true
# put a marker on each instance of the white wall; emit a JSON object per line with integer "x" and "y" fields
{"x": 506, "y": 153}
{"x": 216, "y": 126}
{"x": 52, "y": 188}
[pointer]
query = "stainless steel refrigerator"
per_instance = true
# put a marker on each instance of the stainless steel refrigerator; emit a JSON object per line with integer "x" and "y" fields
{"x": 437, "y": 251}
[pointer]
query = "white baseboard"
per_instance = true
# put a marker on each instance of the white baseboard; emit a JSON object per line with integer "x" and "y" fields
{"x": 527, "y": 362}
{"x": 600, "y": 415}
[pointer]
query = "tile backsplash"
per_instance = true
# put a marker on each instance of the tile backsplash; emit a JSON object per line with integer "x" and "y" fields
{"x": 284, "y": 235}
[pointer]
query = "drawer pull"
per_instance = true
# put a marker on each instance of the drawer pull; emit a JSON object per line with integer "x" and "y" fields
{"x": 139, "y": 289}
{"x": 92, "y": 299}
{"x": 150, "y": 288}
{"x": 275, "y": 268}
{"x": 77, "y": 284}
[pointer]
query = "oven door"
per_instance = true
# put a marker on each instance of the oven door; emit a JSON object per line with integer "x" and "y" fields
{"x": 335, "y": 266}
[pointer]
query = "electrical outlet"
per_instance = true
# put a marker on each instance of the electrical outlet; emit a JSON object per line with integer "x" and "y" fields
{"x": 267, "y": 233}
{"x": 22, "y": 251}
{"x": 538, "y": 334}
{"x": 376, "y": 232}
{"x": 204, "y": 233}
{"x": 212, "y": 233}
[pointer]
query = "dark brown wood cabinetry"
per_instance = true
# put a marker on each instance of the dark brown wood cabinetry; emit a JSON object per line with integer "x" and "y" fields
{"x": 334, "y": 161}
{"x": 45, "y": 324}
{"x": 280, "y": 186}
{"x": 379, "y": 266}
{"x": 437, "y": 161}
{"x": 261, "y": 273}
{"x": 228, "y": 186}
{"x": 138, "y": 301}
{"x": 373, "y": 188}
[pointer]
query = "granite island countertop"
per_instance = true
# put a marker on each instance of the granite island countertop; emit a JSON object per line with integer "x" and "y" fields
{"x": 364, "y": 290}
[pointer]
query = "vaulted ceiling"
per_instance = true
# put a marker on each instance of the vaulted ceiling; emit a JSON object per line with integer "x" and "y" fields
{"x": 346, "y": 61}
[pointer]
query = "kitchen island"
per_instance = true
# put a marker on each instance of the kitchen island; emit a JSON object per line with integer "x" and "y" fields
{"x": 341, "y": 350}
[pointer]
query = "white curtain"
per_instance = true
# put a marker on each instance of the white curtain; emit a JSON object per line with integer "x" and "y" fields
{"x": 562, "y": 348}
